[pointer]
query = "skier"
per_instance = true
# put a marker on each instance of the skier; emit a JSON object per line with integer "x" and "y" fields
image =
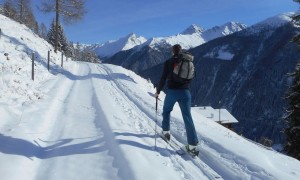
{"x": 177, "y": 92}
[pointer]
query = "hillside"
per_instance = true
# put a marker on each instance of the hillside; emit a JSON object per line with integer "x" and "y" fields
{"x": 91, "y": 121}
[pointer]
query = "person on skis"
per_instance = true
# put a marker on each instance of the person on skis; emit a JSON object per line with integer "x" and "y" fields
{"x": 177, "y": 92}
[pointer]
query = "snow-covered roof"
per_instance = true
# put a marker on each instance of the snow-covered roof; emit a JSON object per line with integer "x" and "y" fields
{"x": 218, "y": 115}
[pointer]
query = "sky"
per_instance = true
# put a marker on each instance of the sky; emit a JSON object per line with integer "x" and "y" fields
{"x": 112, "y": 19}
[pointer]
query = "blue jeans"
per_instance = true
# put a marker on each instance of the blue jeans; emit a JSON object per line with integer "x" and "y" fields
{"x": 183, "y": 97}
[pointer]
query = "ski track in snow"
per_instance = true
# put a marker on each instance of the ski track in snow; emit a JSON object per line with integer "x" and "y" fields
{"x": 65, "y": 139}
{"x": 133, "y": 110}
{"x": 221, "y": 161}
{"x": 92, "y": 138}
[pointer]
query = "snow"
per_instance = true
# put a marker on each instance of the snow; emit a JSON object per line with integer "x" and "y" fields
{"x": 223, "y": 30}
{"x": 186, "y": 41}
{"x": 111, "y": 47}
{"x": 194, "y": 36}
{"x": 97, "y": 121}
{"x": 272, "y": 22}
{"x": 220, "y": 52}
{"x": 193, "y": 29}
{"x": 217, "y": 115}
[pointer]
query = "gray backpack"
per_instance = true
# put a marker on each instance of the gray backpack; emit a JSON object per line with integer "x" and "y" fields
{"x": 184, "y": 69}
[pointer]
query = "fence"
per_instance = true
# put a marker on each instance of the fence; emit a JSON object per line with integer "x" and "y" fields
{"x": 33, "y": 59}
{"x": 48, "y": 63}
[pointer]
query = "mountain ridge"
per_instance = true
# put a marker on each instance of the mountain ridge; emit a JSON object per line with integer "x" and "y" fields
{"x": 191, "y": 37}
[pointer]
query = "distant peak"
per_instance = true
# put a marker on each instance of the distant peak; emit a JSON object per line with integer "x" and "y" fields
{"x": 131, "y": 35}
{"x": 276, "y": 21}
{"x": 193, "y": 29}
{"x": 235, "y": 26}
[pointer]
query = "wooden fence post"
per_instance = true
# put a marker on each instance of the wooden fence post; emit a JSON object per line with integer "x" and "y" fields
{"x": 62, "y": 62}
{"x": 32, "y": 74}
{"x": 48, "y": 60}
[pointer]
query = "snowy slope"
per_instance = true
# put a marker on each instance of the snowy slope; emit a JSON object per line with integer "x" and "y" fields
{"x": 111, "y": 47}
{"x": 276, "y": 20}
{"x": 96, "y": 121}
{"x": 224, "y": 30}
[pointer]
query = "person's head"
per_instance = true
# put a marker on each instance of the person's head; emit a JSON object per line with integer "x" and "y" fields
{"x": 176, "y": 49}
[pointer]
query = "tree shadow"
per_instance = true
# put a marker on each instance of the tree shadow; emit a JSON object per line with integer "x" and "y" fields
{"x": 16, "y": 146}
{"x": 110, "y": 77}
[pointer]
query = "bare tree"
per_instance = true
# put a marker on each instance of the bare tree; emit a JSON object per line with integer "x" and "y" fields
{"x": 10, "y": 10}
{"x": 21, "y": 5}
{"x": 70, "y": 10}
{"x": 21, "y": 11}
{"x": 43, "y": 31}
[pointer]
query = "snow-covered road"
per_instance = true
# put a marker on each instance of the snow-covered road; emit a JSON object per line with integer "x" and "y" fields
{"x": 89, "y": 128}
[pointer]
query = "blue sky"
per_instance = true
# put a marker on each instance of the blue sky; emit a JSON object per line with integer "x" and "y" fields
{"x": 113, "y": 19}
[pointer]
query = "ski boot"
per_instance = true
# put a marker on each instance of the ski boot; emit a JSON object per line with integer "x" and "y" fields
{"x": 166, "y": 135}
{"x": 191, "y": 149}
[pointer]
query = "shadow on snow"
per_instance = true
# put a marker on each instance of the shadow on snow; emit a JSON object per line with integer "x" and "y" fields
{"x": 16, "y": 146}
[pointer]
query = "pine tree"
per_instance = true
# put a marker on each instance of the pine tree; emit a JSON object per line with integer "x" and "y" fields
{"x": 51, "y": 34}
{"x": 43, "y": 31}
{"x": 292, "y": 146}
{"x": 77, "y": 50}
{"x": 70, "y": 10}
{"x": 88, "y": 55}
{"x": 62, "y": 40}
{"x": 292, "y": 132}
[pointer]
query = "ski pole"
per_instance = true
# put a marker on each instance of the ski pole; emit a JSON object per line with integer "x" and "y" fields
{"x": 155, "y": 120}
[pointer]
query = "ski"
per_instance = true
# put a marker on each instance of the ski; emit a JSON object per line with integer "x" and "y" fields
{"x": 208, "y": 171}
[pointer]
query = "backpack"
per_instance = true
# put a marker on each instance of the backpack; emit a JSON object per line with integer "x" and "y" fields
{"x": 184, "y": 69}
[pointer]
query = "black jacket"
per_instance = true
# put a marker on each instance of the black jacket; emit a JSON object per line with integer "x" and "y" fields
{"x": 167, "y": 75}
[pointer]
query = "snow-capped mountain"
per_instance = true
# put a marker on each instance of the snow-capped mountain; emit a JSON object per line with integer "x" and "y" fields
{"x": 109, "y": 48}
{"x": 193, "y": 29}
{"x": 195, "y": 35}
{"x": 224, "y": 30}
{"x": 275, "y": 21}
{"x": 191, "y": 37}
{"x": 157, "y": 49}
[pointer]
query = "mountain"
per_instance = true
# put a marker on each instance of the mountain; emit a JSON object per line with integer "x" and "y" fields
{"x": 246, "y": 73}
{"x": 193, "y": 29}
{"x": 156, "y": 50}
{"x": 111, "y": 47}
{"x": 194, "y": 36}
{"x": 224, "y": 30}
{"x": 96, "y": 121}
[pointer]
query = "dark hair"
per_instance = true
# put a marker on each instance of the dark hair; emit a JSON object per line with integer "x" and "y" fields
{"x": 176, "y": 49}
